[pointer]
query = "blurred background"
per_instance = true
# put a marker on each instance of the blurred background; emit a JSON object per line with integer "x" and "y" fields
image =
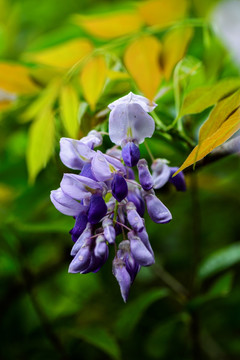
{"x": 61, "y": 64}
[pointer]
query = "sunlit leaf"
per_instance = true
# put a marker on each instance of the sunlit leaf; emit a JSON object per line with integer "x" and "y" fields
{"x": 224, "y": 132}
{"x": 109, "y": 26}
{"x": 100, "y": 338}
{"x": 44, "y": 101}
{"x": 142, "y": 62}
{"x": 219, "y": 114}
{"x": 220, "y": 260}
{"x": 40, "y": 144}
{"x": 15, "y": 79}
{"x": 135, "y": 309}
{"x": 175, "y": 43}
{"x": 206, "y": 96}
{"x": 161, "y": 12}
{"x": 117, "y": 75}
{"x": 63, "y": 55}
{"x": 69, "y": 105}
{"x": 93, "y": 78}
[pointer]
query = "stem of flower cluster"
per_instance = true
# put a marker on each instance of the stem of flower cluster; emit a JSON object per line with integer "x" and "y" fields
{"x": 149, "y": 151}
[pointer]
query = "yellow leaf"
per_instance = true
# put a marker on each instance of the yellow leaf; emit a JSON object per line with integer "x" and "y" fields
{"x": 142, "y": 62}
{"x": 219, "y": 114}
{"x": 40, "y": 144}
{"x": 15, "y": 79}
{"x": 63, "y": 55}
{"x": 44, "y": 101}
{"x": 175, "y": 43}
{"x": 93, "y": 78}
{"x": 203, "y": 97}
{"x": 69, "y": 105}
{"x": 117, "y": 75}
{"x": 162, "y": 12}
{"x": 109, "y": 26}
{"x": 225, "y": 131}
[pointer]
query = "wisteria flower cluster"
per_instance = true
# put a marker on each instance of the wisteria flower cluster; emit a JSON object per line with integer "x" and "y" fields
{"x": 105, "y": 198}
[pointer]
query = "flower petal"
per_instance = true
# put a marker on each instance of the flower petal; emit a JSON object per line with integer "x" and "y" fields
{"x": 74, "y": 154}
{"x": 65, "y": 204}
{"x": 130, "y": 121}
{"x": 146, "y": 104}
{"x": 79, "y": 187}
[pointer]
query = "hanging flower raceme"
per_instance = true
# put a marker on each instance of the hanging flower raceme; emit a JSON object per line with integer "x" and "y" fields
{"x": 106, "y": 200}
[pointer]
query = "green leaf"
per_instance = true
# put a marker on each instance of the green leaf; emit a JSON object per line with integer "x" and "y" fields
{"x": 69, "y": 105}
{"x": 221, "y": 287}
{"x": 135, "y": 309}
{"x": 44, "y": 101}
{"x": 40, "y": 144}
{"x": 100, "y": 338}
{"x": 203, "y": 97}
{"x": 219, "y": 261}
{"x": 188, "y": 74}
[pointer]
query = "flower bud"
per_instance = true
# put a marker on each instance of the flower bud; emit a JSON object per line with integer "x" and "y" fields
{"x": 139, "y": 251}
{"x": 145, "y": 177}
{"x": 97, "y": 209}
{"x": 157, "y": 211}
{"x": 133, "y": 217}
{"x": 109, "y": 231}
{"x": 119, "y": 187}
{"x": 123, "y": 278}
{"x": 130, "y": 154}
{"x": 179, "y": 180}
{"x": 79, "y": 227}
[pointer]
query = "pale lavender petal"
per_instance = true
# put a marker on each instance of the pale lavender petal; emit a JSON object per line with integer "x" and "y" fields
{"x": 116, "y": 164}
{"x": 130, "y": 122}
{"x": 93, "y": 139}
{"x": 160, "y": 173}
{"x": 146, "y": 104}
{"x": 79, "y": 187}
{"x": 101, "y": 167}
{"x": 65, "y": 204}
{"x": 74, "y": 154}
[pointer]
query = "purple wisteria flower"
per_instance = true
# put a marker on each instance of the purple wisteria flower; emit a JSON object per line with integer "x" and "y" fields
{"x": 106, "y": 200}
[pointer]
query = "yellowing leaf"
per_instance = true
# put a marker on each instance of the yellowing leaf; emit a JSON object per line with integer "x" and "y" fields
{"x": 15, "y": 79}
{"x": 109, "y": 26}
{"x": 142, "y": 62}
{"x": 64, "y": 55}
{"x": 219, "y": 114}
{"x": 40, "y": 144}
{"x": 93, "y": 78}
{"x": 162, "y": 12}
{"x": 44, "y": 101}
{"x": 117, "y": 75}
{"x": 175, "y": 43}
{"x": 225, "y": 131}
{"x": 69, "y": 105}
{"x": 205, "y": 96}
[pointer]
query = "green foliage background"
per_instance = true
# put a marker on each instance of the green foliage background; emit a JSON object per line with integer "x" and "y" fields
{"x": 48, "y": 313}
